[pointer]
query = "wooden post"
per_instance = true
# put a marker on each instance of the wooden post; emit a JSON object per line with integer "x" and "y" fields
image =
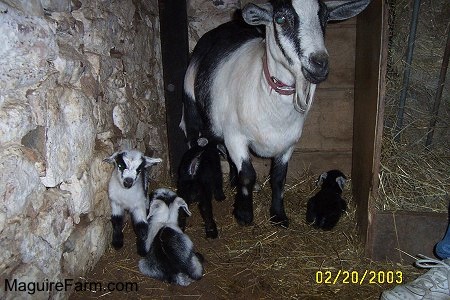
{"x": 175, "y": 54}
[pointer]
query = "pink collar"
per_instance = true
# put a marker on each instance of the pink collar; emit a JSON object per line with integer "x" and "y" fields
{"x": 277, "y": 85}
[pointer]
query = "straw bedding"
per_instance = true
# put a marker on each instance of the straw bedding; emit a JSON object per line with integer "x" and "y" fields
{"x": 260, "y": 261}
{"x": 413, "y": 177}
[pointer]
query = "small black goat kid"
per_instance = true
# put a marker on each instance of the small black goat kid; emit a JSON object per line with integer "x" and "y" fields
{"x": 326, "y": 207}
{"x": 171, "y": 255}
{"x": 127, "y": 190}
{"x": 199, "y": 179}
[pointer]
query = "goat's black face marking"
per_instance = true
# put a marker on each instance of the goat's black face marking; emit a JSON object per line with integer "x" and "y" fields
{"x": 323, "y": 16}
{"x": 286, "y": 23}
{"x": 141, "y": 167}
{"x": 299, "y": 28}
{"x": 121, "y": 165}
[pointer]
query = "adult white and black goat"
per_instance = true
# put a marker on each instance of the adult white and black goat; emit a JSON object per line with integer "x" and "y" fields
{"x": 171, "y": 255}
{"x": 251, "y": 84}
{"x": 127, "y": 190}
{"x": 326, "y": 207}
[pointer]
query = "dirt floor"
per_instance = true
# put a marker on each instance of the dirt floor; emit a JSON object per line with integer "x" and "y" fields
{"x": 261, "y": 261}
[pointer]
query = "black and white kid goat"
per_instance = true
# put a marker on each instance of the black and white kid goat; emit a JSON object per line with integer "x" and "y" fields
{"x": 171, "y": 255}
{"x": 251, "y": 84}
{"x": 199, "y": 179}
{"x": 326, "y": 207}
{"x": 127, "y": 190}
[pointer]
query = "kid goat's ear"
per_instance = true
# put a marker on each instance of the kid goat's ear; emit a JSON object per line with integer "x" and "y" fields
{"x": 111, "y": 159}
{"x": 150, "y": 161}
{"x": 341, "y": 182}
{"x": 181, "y": 203}
{"x": 321, "y": 178}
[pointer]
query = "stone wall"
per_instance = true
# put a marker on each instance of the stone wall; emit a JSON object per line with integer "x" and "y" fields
{"x": 78, "y": 80}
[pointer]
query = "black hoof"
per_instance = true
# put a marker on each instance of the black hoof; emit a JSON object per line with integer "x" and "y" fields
{"x": 243, "y": 217}
{"x": 117, "y": 243}
{"x": 211, "y": 233}
{"x": 141, "y": 229}
{"x": 220, "y": 196}
{"x": 141, "y": 248}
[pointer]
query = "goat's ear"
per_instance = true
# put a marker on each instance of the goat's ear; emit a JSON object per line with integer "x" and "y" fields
{"x": 150, "y": 161}
{"x": 182, "y": 204}
{"x": 341, "y": 182}
{"x": 155, "y": 205}
{"x": 321, "y": 178}
{"x": 111, "y": 159}
{"x": 260, "y": 14}
{"x": 342, "y": 10}
{"x": 195, "y": 163}
{"x": 222, "y": 150}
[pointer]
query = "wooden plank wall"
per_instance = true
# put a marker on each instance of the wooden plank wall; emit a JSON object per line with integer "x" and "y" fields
{"x": 328, "y": 132}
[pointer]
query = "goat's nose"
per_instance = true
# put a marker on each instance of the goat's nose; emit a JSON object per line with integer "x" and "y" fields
{"x": 319, "y": 61}
{"x": 128, "y": 182}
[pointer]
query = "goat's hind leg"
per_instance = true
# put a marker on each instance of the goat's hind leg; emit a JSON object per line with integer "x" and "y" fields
{"x": 205, "y": 207}
{"x": 217, "y": 181}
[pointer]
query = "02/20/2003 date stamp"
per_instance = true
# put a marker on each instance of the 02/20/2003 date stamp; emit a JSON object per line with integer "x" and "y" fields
{"x": 358, "y": 277}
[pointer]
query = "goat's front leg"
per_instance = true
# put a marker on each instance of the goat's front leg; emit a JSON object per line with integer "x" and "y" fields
{"x": 117, "y": 215}
{"x": 243, "y": 203}
{"x": 140, "y": 227}
{"x": 278, "y": 173}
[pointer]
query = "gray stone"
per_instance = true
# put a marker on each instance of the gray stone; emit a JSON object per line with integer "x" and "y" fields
{"x": 28, "y": 45}
{"x": 19, "y": 181}
{"x": 70, "y": 135}
{"x": 78, "y": 81}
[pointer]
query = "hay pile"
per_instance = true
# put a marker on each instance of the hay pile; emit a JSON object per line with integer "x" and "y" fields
{"x": 261, "y": 261}
{"x": 412, "y": 177}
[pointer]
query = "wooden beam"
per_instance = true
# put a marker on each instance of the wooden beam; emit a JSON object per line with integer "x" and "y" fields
{"x": 175, "y": 55}
{"x": 370, "y": 70}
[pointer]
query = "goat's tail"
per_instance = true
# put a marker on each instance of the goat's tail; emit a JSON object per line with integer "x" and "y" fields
{"x": 191, "y": 121}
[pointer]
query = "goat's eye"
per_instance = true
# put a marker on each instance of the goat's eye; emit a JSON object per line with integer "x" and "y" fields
{"x": 280, "y": 20}
{"x": 121, "y": 167}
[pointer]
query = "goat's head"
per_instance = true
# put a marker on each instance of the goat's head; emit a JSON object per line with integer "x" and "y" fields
{"x": 130, "y": 164}
{"x": 332, "y": 179}
{"x": 295, "y": 35}
{"x": 159, "y": 211}
{"x": 165, "y": 205}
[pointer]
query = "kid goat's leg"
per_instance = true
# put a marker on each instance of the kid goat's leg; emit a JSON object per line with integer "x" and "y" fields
{"x": 205, "y": 207}
{"x": 140, "y": 227}
{"x": 117, "y": 224}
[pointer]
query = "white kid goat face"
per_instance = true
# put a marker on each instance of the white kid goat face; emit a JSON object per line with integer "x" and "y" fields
{"x": 130, "y": 164}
